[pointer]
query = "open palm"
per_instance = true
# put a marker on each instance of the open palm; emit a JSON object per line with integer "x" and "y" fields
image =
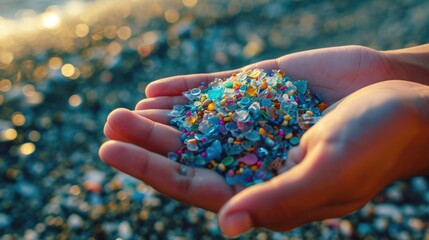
{"x": 142, "y": 138}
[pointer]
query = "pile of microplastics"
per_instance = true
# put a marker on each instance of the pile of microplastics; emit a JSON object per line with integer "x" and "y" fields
{"x": 242, "y": 127}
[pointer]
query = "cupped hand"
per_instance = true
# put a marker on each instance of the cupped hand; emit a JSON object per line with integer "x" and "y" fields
{"x": 374, "y": 136}
{"x": 142, "y": 138}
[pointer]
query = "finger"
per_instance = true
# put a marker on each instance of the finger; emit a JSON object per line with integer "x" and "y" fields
{"x": 161, "y": 102}
{"x": 310, "y": 65}
{"x": 174, "y": 86}
{"x": 144, "y": 132}
{"x": 112, "y": 134}
{"x": 156, "y": 115}
{"x": 294, "y": 157}
{"x": 239, "y": 223}
{"x": 296, "y": 154}
{"x": 293, "y": 198}
{"x": 199, "y": 187}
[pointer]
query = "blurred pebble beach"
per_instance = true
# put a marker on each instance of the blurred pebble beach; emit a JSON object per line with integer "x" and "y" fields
{"x": 64, "y": 67}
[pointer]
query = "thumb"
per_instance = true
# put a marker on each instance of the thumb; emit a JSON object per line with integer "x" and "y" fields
{"x": 295, "y": 156}
{"x": 283, "y": 203}
{"x": 267, "y": 205}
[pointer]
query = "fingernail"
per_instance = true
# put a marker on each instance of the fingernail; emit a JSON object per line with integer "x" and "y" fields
{"x": 236, "y": 224}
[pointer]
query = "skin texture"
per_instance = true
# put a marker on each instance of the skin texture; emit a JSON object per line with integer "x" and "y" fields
{"x": 375, "y": 132}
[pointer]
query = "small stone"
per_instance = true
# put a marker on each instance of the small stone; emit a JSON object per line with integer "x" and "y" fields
{"x": 75, "y": 221}
{"x": 386, "y": 210}
{"x": 206, "y": 102}
{"x": 269, "y": 142}
{"x": 294, "y": 141}
{"x": 381, "y": 224}
{"x": 230, "y": 180}
{"x": 124, "y": 230}
{"x": 228, "y": 84}
{"x": 252, "y": 136}
{"x": 276, "y": 164}
{"x": 5, "y": 220}
{"x": 264, "y": 85}
{"x": 31, "y": 235}
{"x": 346, "y": 228}
{"x": 416, "y": 224}
{"x": 192, "y": 147}
{"x": 195, "y": 92}
{"x": 419, "y": 184}
{"x": 211, "y": 107}
{"x": 244, "y": 102}
{"x": 227, "y": 161}
{"x": 249, "y": 159}
{"x": 266, "y": 102}
{"x": 301, "y": 86}
{"x": 214, "y": 120}
{"x": 215, "y": 93}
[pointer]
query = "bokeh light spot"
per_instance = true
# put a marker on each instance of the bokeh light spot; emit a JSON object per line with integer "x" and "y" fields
{"x": 171, "y": 15}
{"x": 75, "y": 100}
{"x": 76, "y": 73}
{"x": 114, "y": 48}
{"x": 55, "y": 63}
{"x": 252, "y": 49}
{"x": 81, "y": 30}
{"x": 150, "y": 37}
{"x": 6, "y": 57}
{"x": 124, "y": 32}
{"x": 18, "y": 119}
{"x": 51, "y": 20}
{"x": 39, "y": 73}
{"x": 67, "y": 70}
{"x": 75, "y": 190}
{"x": 190, "y": 3}
{"x": 110, "y": 31}
{"x": 9, "y": 134}
{"x": 34, "y": 136}
{"x": 5, "y": 85}
{"x": 36, "y": 98}
{"x": 28, "y": 90}
{"x": 27, "y": 148}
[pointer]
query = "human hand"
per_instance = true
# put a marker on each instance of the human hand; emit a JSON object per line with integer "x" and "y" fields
{"x": 333, "y": 73}
{"x": 374, "y": 136}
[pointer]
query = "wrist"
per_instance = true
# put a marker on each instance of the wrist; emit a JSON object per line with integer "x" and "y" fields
{"x": 409, "y": 64}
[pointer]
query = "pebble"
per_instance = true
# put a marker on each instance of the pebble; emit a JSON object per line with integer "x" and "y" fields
{"x": 75, "y": 221}
{"x": 31, "y": 235}
{"x": 125, "y": 230}
{"x": 294, "y": 141}
{"x": 27, "y": 189}
{"x": 419, "y": 184}
{"x": 381, "y": 224}
{"x": 387, "y": 210}
{"x": 5, "y": 220}
{"x": 416, "y": 224}
{"x": 248, "y": 159}
{"x": 227, "y": 161}
{"x": 346, "y": 228}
